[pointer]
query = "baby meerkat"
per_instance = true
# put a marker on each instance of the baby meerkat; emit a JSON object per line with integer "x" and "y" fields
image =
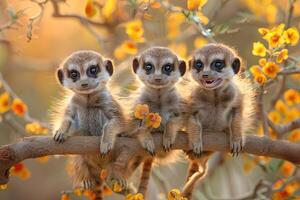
{"x": 91, "y": 110}
{"x": 159, "y": 69}
{"x": 221, "y": 101}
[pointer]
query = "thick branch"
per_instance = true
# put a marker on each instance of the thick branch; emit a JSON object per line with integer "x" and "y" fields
{"x": 128, "y": 148}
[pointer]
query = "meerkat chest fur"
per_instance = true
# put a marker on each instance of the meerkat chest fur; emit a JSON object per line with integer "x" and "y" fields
{"x": 163, "y": 101}
{"x": 91, "y": 115}
{"x": 213, "y": 107}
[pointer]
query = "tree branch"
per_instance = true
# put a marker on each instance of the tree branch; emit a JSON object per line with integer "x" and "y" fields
{"x": 282, "y": 129}
{"x": 128, "y": 148}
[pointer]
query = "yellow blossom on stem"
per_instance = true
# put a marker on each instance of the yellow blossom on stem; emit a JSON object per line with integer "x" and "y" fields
{"x": 89, "y": 194}
{"x": 109, "y": 8}
{"x": 130, "y": 47}
{"x": 19, "y": 107}
{"x": 107, "y": 191}
{"x": 291, "y": 114}
{"x": 287, "y": 169}
{"x": 195, "y": 4}
{"x": 274, "y": 38}
{"x": 255, "y": 70}
{"x": 271, "y": 69}
{"x": 275, "y": 117}
{"x": 259, "y": 49}
{"x": 134, "y": 30}
{"x": 263, "y": 31}
{"x": 292, "y": 97}
{"x": 3, "y": 187}
{"x": 141, "y": 111}
{"x": 119, "y": 53}
{"x": 295, "y": 136}
{"x": 262, "y": 62}
{"x": 291, "y": 36}
{"x": 153, "y": 120}
{"x": 65, "y": 197}
{"x": 283, "y": 55}
{"x": 260, "y": 79}
{"x": 175, "y": 194}
{"x": 36, "y": 128}
{"x": 4, "y": 102}
{"x": 137, "y": 196}
{"x": 90, "y": 8}
{"x": 77, "y": 192}
{"x": 281, "y": 107}
{"x": 116, "y": 187}
{"x": 20, "y": 171}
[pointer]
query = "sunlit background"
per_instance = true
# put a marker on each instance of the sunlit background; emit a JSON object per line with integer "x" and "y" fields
{"x": 34, "y": 39}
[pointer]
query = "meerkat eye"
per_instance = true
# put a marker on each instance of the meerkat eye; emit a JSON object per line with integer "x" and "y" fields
{"x": 148, "y": 68}
{"x": 93, "y": 70}
{"x": 74, "y": 75}
{"x": 198, "y": 64}
{"x": 167, "y": 68}
{"x": 218, "y": 64}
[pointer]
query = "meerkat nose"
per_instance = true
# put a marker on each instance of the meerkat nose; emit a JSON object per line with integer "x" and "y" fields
{"x": 205, "y": 76}
{"x": 158, "y": 79}
{"x": 84, "y": 85}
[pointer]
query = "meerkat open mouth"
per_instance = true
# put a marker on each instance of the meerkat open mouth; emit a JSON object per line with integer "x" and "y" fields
{"x": 211, "y": 83}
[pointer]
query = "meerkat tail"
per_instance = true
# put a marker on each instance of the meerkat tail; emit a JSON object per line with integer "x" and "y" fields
{"x": 193, "y": 168}
{"x": 145, "y": 176}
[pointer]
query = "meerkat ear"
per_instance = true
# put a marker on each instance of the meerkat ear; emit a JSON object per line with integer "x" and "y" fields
{"x": 236, "y": 65}
{"x": 190, "y": 63}
{"x": 60, "y": 75}
{"x": 109, "y": 67}
{"x": 135, "y": 64}
{"x": 182, "y": 67}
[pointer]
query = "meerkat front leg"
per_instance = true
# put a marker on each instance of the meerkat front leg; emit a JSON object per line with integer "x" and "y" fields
{"x": 170, "y": 132}
{"x": 146, "y": 139}
{"x": 110, "y": 132}
{"x": 194, "y": 130}
{"x": 235, "y": 129}
{"x": 60, "y": 135}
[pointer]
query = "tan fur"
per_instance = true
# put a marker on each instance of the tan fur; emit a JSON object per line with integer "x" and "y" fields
{"x": 160, "y": 94}
{"x": 220, "y": 101}
{"x": 88, "y": 108}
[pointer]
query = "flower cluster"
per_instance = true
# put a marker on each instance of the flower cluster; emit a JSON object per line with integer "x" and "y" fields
{"x": 36, "y": 129}
{"x": 20, "y": 170}
{"x": 175, "y": 194}
{"x": 149, "y": 119}
{"x": 16, "y": 105}
{"x": 269, "y": 65}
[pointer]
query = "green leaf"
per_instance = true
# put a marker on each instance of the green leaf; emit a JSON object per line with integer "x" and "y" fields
{"x": 275, "y": 164}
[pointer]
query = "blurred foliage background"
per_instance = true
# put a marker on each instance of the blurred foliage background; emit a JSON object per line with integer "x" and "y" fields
{"x": 35, "y": 36}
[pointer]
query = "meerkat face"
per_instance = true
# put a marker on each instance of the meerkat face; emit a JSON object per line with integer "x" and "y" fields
{"x": 85, "y": 72}
{"x": 158, "y": 67}
{"x": 214, "y": 65}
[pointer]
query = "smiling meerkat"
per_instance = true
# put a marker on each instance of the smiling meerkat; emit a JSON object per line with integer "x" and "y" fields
{"x": 90, "y": 110}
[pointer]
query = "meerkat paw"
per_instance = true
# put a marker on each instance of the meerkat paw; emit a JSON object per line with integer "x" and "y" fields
{"x": 148, "y": 144}
{"x": 167, "y": 143}
{"x": 87, "y": 184}
{"x": 105, "y": 147}
{"x": 236, "y": 146}
{"x": 197, "y": 148}
{"x": 59, "y": 137}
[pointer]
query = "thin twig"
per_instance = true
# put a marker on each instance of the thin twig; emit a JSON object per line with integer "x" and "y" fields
{"x": 282, "y": 129}
{"x": 262, "y": 111}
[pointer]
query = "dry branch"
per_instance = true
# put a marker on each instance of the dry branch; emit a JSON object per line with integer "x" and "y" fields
{"x": 128, "y": 148}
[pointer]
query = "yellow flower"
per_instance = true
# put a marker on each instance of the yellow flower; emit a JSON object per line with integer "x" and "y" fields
{"x": 65, "y": 197}
{"x": 130, "y": 47}
{"x": 262, "y": 62}
{"x": 260, "y": 79}
{"x": 4, "y": 102}
{"x": 107, "y": 191}
{"x": 259, "y": 49}
{"x": 174, "y": 21}
{"x": 90, "y": 194}
{"x": 134, "y": 30}
{"x": 255, "y": 70}
{"x": 36, "y": 128}
{"x": 199, "y": 42}
{"x": 295, "y": 135}
{"x": 3, "y": 187}
{"x": 90, "y": 8}
{"x": 275, "y": 117}
{"x": 287, "y": 169}
{"x": 195, "y": 4}
{"x": 291, "y": 36}
{"x": 153, "y": 120}
{"x": 271, "y": 69}
{"x": 281, "y": 107}
{"x": 109, "y": 8}
{"x": 179, "y": 48}
{"x": 175, "y": 194}
{"x": 119, "y": 53}
{"x": 263, "y": 31}
{"x": 18, "y": 107}
{"x": 292, "y": 97}
{"x": 116, "y": 187}
{"x": 21, "y": 171}
{"x": 141, "y": 111}
{"x": 77, "y": 192}
{"x": 291, "y": 115}
{"x": 283, "y": 55}
{"x": 137, "y": 196}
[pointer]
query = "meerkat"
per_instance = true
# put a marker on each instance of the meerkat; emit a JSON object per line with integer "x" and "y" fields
{"x": 159, "y": 69}
{"x": 221, "y": 100}
{"x": 91, "y": 110}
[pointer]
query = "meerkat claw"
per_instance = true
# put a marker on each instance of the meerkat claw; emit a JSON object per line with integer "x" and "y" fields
{"x": 105, "y": 147}
{"x": 87, "y": 184}
{"x": 59, "y": 137}
{"x": 167, "y": 144}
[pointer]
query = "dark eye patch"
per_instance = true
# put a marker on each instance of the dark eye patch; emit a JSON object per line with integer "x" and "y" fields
{"x": 167, "y": 68}
{"x": 74, "y": 75}
{"x": 93, "y": 71}
{"x": 218, "y": 65}
{"x": 198, "y": 65}
{"x": 148, "y": 67}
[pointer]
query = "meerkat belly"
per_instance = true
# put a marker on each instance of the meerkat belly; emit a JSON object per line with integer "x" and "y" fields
{"x": 91, "y": 120}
